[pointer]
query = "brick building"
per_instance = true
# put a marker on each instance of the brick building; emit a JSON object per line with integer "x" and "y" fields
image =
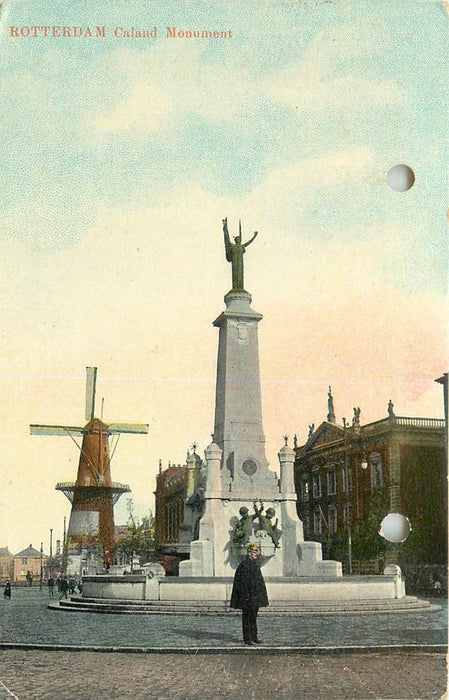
{"x": 348, "y": 477}
{"x": 179, "y": 503}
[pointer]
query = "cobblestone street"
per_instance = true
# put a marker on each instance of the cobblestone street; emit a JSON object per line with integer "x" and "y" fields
{"x": 26, "y": 619}
{"x": 209, "y": 664}
{"x": 90, "y": 676}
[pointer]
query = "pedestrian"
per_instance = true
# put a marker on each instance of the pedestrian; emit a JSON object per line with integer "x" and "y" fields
{"x": 437, "y": 587}
{"x": 249, "y": 593}
{"x": 51, "y": 586}
{"x": 71, "y": 584}
{"x": 7, "y": 591}
{"x": 64, "y": 588}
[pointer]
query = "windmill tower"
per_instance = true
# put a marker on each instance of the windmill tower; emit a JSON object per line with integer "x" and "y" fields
{"x": 93, "y": 494}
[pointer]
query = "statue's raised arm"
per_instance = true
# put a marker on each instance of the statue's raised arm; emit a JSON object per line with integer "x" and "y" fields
{"x": 227, "y": 241}
{"x": 234, "y": 255}
{"x": 245, "y": 245}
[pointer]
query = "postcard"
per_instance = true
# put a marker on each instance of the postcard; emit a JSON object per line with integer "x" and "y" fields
{"x": 130, "y": 131}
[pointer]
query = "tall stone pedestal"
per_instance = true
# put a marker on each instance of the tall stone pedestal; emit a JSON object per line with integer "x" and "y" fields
{"x": 237, "y": 468}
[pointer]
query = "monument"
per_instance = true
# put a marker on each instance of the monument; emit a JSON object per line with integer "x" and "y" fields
{"x": 244, "y": 500}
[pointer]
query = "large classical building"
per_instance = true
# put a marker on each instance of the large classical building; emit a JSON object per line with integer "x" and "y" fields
{"x": 349, "y": 476}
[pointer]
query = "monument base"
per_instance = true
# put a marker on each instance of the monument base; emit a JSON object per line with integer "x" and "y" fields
{"x": 301, "y": 595}
{"x": 306, "y": 560}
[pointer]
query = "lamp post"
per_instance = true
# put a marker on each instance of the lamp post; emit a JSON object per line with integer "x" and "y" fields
{"x": 51, "y": 552}
{"x": 364, "y": 467}
{"x": 40, "y": 578}
{"x": 348, "y": 525}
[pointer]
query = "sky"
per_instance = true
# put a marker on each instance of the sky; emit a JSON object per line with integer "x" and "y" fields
{"x": 119, "y": 158}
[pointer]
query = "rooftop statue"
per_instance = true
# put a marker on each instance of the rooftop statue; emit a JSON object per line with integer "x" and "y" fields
{"x": 330, "y": 407}
{"x": 356, "y": 418}
{"x": 234, "y": 255}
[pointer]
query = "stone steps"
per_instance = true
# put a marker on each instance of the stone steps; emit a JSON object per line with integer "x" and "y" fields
{"x": 195, "y": 607}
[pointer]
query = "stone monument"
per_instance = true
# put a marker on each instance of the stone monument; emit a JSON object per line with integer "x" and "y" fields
{"x": 244, "y": 501}
{"x": 234, "y": 498}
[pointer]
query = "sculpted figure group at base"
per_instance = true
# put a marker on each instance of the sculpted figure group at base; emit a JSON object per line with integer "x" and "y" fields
{"x": 266, "y": 525}
{"x": 243, "y": 529}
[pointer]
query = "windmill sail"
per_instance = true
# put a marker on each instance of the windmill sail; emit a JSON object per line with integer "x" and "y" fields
{"x": 55, "y": 430}
{"x": 91, "y": 383}
{"x": 141, "y": 428}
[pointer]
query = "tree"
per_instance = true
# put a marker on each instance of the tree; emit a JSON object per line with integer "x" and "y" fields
{"x": 366, "y": 541}
{"x": 335, "y": 546}
{"x": 139, "y": 537}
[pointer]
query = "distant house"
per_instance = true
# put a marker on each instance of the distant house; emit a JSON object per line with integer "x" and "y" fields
{"x": 28, "y": 560}
{"x": 6, "y": 564}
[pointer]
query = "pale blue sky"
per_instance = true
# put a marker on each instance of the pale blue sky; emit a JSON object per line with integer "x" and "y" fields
{"x": 51, "y": 159}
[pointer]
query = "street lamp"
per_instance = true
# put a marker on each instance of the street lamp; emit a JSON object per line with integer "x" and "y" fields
{"x": 40, "y": 579}
{"x": 364, "y": 467}
{"x": 51, "y": 551}
{"x": 129, "y": 508}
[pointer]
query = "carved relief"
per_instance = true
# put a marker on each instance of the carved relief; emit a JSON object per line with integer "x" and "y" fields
{"x": 243, "y": 333}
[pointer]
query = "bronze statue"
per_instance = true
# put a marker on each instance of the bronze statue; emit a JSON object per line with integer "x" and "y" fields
{"x": 234, "y": 255}
{"x": 243, "y": 529}
{"x": 270, "y": 528}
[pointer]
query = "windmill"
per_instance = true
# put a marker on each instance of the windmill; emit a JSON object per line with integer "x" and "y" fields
{"x": 93, "y": 494}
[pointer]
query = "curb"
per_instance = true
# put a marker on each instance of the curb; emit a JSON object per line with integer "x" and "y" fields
{"x": 120, "y": 609}
{"x": 195, "y": 651}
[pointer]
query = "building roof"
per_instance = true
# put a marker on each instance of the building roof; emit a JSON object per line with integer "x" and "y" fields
{"x": 4, "y": 552}
{"x": 329, "y": 435}
{"x": 29, "y": 552}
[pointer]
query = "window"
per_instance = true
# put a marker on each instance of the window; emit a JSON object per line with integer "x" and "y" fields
{"x": 345, "y": 479}
{"x": 332, "y": 519}
{"x": 347, "y": 513}
{"x": 375, "y": 461}
{"x": 24, "y": 560}
{"x": 303, "y": 491}
{"x": 331, "y": 483}
{"x": 316, "y": 486}
{"x": 317, "y": 523}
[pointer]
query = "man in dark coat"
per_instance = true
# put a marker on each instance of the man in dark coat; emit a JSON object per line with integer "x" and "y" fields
{"x": 249, "y": 593}
{"x": 64, "y": 587}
